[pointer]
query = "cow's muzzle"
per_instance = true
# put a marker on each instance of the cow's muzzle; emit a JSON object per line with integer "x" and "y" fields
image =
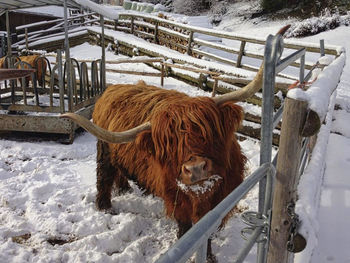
{"x": 195, "y": 170}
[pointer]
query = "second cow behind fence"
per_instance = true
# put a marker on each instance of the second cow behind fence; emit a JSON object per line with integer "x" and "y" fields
{"x": 34, "y": 61}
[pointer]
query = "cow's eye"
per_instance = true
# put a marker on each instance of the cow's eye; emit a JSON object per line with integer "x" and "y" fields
{"x": 190, "y": 159}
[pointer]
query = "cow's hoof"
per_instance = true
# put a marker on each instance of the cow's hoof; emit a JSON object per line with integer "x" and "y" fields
{"x": 111, "y": 211}
{"x": 103, "y": 204}
{"x": 211, "y": 259}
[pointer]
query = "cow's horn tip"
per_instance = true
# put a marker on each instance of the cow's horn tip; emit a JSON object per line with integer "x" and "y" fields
{"x": 65, "y": 116}
{"x": 284, "y": 29}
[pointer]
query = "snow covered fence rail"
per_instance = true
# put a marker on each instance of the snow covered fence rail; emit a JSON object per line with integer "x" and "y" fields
{"x": 252, "y": 131}
{"x": 34, "y": 35}
{"x": 187, "y": 39}
{"x": 251, "y": 127}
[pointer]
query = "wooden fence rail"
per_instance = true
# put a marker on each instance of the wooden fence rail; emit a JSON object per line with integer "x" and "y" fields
{"x": 30, "y": 33}
{"x": 178, "y": 36}
{"x": 184, "y": 38}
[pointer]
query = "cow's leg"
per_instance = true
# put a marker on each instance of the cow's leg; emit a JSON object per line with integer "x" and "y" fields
{"x": 108, "y": 176}
{"x": 121, "y": 181}
{"x": 183, "y": 227}
{"x": 210, "y": 257}
{"x": 105, "y": 176}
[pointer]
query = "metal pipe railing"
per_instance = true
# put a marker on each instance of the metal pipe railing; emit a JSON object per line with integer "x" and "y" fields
{"x": 193, "y": 239}
{"x": 273, "y": 52}
{"x": 277, "y": 116}
{"x": 248, "y": 246}
{"x": 282, "y": 64}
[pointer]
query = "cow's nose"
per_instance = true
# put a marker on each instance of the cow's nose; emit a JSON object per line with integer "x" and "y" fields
{"x": 195, "y": 172}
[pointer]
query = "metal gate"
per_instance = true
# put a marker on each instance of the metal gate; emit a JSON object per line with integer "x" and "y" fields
{"x": 195, "y": 240}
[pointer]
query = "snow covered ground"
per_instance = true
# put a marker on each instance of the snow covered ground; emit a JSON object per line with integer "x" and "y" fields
{"x": 47, "y": 192}
{"x": 47, "y": 209}
{"x": 333, "y": 237}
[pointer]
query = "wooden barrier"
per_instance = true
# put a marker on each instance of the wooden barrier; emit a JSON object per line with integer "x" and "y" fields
{"x": 287, "y": 177}
{"x": 182, "y": 37}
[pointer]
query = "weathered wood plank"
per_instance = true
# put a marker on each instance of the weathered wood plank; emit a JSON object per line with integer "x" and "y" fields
{"x": 287, "y": 177}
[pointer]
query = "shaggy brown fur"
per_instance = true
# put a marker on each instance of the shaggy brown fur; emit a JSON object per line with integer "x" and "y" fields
{"x": 31, "y": 60}
{"x": 182, "y": 126}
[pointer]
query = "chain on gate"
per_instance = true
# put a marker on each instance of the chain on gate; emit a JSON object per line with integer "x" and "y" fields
{"x": 296, "y": 242}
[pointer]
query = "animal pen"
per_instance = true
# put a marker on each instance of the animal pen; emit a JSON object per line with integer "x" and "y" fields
{"x": 274, "y": 227}
{"x": 34, "y": 108}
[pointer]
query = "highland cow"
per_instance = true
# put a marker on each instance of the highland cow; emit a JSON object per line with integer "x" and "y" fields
{"x": 183, "y": 148}
{"x": 183, "y": 143}
{"x": 35, "y": 62}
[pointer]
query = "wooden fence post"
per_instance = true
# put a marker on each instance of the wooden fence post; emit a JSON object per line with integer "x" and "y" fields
{"x": 116, "y": 24}
{"x": 156, "y": 33}
{"x": 287, "y": 177}
{"x": 190, "y": 40}
{"x": 240, "y": 55}
{"x": 162, "y": 75}
{"x": 214, "y": 87}
{"x": 132, "y": 25}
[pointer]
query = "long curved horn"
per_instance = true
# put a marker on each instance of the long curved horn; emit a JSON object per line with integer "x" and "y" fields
{"x": 251, "y": 88}
{"x": 104, "y": 135}
{"x": 14, "y": 73}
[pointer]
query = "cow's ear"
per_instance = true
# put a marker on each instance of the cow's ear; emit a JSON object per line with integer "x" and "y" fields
{"x": 231, "y": 115}
{"x": 144, "y": 141}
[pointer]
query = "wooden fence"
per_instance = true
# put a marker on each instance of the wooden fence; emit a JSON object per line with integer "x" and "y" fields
{"x": 30, "y": 33}
{"x": 186, "y": 39}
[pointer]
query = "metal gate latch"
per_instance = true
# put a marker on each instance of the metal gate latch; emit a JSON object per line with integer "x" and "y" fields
{"x": 254, "y": 220}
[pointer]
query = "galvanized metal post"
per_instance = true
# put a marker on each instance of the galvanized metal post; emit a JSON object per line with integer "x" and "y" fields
{"x": 9, "y": 51}
{"x": 248, "y": 246}
{"x": 271, "y": 55}
{"x": 9, "y": 54}
{"x": 103, "y": 59}
{"x": 201, "y": 254}
{"x": 60, "y": 80}
{"x": 68, "y": 61}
